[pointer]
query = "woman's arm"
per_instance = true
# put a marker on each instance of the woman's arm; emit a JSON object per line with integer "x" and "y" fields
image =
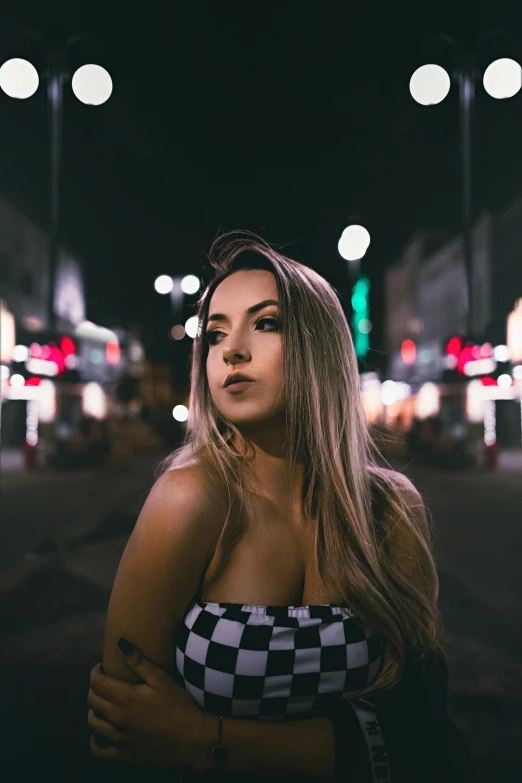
{"x": 303, "y": 749}
{"x": 173, "y": 539}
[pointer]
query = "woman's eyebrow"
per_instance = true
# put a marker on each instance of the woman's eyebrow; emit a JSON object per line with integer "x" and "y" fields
{"x": 250, "y": 311}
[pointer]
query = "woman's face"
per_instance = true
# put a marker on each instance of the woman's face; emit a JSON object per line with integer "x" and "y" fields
{"x": 249, "y": 343}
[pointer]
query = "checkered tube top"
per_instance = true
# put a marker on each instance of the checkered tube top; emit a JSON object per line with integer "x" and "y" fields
{"x": 274, "y": 662}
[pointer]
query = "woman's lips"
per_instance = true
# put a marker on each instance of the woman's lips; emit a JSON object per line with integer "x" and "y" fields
{"x": 235, "y": 387}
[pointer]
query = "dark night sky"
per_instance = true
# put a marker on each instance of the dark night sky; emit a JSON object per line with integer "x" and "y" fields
{"x": 283, "y": 118}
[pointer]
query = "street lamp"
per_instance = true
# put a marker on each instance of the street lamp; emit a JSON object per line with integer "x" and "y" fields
{"x": 91, "y": 84}
{"x": 177, "y": 288}
{"x": 429, "y": 85}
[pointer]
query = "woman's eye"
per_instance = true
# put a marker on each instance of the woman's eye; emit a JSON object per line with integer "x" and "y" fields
{"x": 212, "y": 336}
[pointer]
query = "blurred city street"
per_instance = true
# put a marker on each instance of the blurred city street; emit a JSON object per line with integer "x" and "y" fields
{"x": 53, "y": 618}
{"x": 366, "y": 171}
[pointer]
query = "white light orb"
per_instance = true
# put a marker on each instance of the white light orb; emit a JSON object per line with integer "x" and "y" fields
{"x": 354, "y": 242}
{"x": 475, "y": 401}
{"x": 163, "y": 284}
{"x": 504, "y": 381}
{"x": 503, "y": 78}
{"x": 17, "y": 381}
{"x": 92, "y": 85}
{"x": 389, "y": 394}
{"x": 192, "y": 326}
{"x": 94, "y": 401}
{"x": 47, "y": 401}
{"x": 501, "y": 353}
{"x": 190, "y": 284}
{"x": 427, "y": 402}
{"x": 20, "y": 353}
{"x": 18, "y": 78}
{"x": 430, "y": 84}
{"x": 180, "y": 413}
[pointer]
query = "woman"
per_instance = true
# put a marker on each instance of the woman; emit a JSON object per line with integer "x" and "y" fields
{"x": 279, "y": 586}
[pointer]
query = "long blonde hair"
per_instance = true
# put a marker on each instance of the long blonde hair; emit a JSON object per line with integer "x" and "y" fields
{"x": 358, "y": 504}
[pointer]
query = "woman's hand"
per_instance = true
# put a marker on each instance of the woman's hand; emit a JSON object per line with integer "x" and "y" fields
{"x": 153, "y": 722}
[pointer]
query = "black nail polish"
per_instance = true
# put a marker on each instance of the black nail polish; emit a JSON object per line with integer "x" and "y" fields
{"x": 125, "y": 646}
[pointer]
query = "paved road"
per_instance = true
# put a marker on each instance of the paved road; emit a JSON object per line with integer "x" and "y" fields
{"x": 48, "y": 506}
{"x": 53, "y": 622}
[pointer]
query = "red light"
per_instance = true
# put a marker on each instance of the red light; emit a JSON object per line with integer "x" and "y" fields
{"x": 56, "y": 356}
{"x": 112, "y": 352}
{"x": 466, "y": 355}
{"x": 487, "y": 381}
{"x": 33, "y": 381}
{"x": 408, "y": 351}
{"x": 454, "y": 346}
{"x": 67, "y": 346}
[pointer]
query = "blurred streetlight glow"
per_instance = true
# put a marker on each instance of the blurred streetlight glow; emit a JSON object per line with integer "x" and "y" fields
{"x": 501, "y": 353}
{"x": 180, "y": 412}
{"x": 503, "y": 78}
{"x": 504, "y": 381}
{"x": 192, "y": 326}
{"x": 18, "y": 78}
{"x": 190, "y": 284}
{"x": 427, "y": 402}
{"x": 163, "y": 284}
{"x": 17, "y": 381}
{"x": 92, "y": 84}
{"x": 177, "y": 332}
{"x": 430, "y": 84}
{"x": 354, "y": 242}
{"x": 389, "y": 393}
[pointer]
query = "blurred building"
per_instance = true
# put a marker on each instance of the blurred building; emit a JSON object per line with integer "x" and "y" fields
{"x": 55, "y": 384}
{"x": 435, "y": 368}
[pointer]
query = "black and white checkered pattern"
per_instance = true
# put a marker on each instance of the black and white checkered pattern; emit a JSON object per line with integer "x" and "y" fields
{"x": 273, "y": 663}
{"x": 281, "y": 663}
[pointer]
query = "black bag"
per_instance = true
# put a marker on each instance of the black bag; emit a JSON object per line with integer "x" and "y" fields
{"x": 422, "y": 743}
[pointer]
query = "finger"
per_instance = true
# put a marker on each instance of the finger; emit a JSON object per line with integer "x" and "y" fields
{"x": 99, "y": 704}
{"x": 111, "y": 688}
{"x": 104, "y": 728}
{"x": 135, "y": 659}
{"x": 95, "y": 671}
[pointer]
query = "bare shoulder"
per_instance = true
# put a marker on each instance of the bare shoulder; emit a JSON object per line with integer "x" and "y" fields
{"x": 191, "y": 489}
{"x": 174, "y": 537}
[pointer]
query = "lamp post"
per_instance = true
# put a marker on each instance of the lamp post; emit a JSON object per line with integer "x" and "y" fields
{"x": 429, "y": 85}
{"x": 92, "y": 85}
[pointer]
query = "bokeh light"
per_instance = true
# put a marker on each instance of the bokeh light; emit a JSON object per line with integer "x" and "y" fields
{"x": 180, "y": 412}
{"x": 163, "y": 284}
{"x": 92, "y": 84}
{"x": 177, "y": 332}
{"x": 192, "y": 326}
{"x": 18, "y": 78}
{"x": 503, "y": 78}
{"x": 430, "y": 84}
{"x": 354, "y": 243}
{"x": 190, "y": 284}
